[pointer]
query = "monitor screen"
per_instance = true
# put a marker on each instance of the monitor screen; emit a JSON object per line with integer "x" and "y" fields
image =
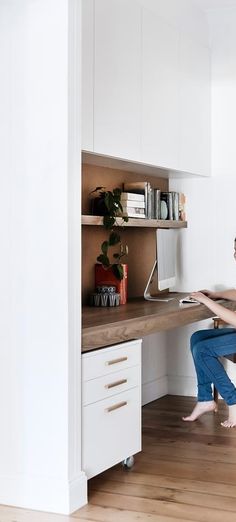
{"x": 166, "y": 257}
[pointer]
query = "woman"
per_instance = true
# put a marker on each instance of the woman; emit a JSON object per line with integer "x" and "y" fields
{"x": 206, "y": 347}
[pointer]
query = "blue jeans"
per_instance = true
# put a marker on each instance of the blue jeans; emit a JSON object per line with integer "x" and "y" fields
{"x": 206, "y": 347}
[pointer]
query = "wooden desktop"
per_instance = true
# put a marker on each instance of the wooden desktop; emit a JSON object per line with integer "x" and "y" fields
{"x": 107, "y": 326}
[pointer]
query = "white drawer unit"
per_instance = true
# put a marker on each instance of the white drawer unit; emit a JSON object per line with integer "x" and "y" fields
{"x": 110, "y": 359}
{"x": 108, "y": 385}
{"x": 111, "y": 412}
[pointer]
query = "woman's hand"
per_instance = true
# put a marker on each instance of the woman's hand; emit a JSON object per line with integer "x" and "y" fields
{"x": 209, "y": 293}
{"x": 200, "y": 297}
{"x": 227, "y": 315}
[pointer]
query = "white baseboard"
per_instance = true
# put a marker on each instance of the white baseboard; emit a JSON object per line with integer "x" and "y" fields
{"x": 44, "y": 494}
{"x": 178, "y": 385}
{"x": 154, "y": 389}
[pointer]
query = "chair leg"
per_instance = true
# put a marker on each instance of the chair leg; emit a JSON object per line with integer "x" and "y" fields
{"x": 216, "y": 397}
{"x": 216, "y": 321}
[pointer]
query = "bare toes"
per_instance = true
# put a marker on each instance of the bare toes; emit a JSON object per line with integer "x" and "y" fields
{"x": 228, "y": 424}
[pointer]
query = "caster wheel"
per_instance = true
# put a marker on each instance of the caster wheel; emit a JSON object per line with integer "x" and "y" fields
{"x": 128, "y": 463}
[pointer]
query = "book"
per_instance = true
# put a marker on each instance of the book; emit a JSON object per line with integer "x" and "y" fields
{"x": 132, "y": 203}
{"x": 133, "y": 215}
{"x": 141, "y": 187}
{"x": 106, "y": 277}
{"x": 167, "y": 197}
{"x": 157, "y": 203}
{"x": 175, "y": 198}
{"x": 132, "y": 196}
{"x": 134, "y": 210}
{"x": 182, "y": 209}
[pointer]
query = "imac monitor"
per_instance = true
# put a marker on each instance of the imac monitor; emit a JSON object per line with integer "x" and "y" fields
{"x": 166, "y": 258}
{"x": 163, "y": 272}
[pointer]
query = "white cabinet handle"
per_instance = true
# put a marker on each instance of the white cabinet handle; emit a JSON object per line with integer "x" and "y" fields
{"x": 115, "y": 361}
{"x": 116, "y": 406}
{"x": 117, "y": 383}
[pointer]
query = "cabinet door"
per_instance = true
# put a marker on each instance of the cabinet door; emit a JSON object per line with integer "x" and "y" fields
{"x": 117, "y": 88}
{"x": 195, "y": 107}
{"x": 111, "y": 431}
{"x": 87, "y": 73}
{"x": 160, "y": 106}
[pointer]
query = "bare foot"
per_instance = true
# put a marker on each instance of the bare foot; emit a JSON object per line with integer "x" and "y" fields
{"x": 231, "y": 421}
{"x": 200, "y": 409}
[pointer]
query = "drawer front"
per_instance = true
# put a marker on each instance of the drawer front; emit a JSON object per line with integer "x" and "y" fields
{"x": 112, "y": 359}
{"x": 111, "y": 431}
{"x": 111, "y": 384}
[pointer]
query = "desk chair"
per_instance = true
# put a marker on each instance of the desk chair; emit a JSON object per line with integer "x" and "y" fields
{"x": 217, "y": 322}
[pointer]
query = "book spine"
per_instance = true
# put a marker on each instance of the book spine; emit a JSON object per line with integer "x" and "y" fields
{"x": 132, "y": 196}
{"x": 133, "y": 215}
{"x": 175, "y": 197}
{"x": 167, "y": 197}
{"x": 157, "y": 203}
{"x": 134, "y": 210}
{"x": 182, "y": 209}
{"x": 106, "y": 277}
{"x": 132, "y": 203}
{"x": 149, "y": 205}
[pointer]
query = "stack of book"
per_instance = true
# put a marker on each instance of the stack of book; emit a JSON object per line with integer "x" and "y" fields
{"x": 144, "y": 189}
{"x": 139, "y": 199}
{"x": 133, "y": 205}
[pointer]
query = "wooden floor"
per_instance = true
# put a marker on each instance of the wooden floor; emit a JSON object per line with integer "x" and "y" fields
{"x": 186, "y": 472}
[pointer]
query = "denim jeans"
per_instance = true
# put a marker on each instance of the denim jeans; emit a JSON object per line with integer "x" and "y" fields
{"x": 206, "y": 347}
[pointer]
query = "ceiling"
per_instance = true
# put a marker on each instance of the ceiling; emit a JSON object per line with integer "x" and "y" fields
{"x": 206, "y": 5}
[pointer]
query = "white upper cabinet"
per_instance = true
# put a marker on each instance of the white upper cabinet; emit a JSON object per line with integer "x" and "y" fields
{"x": 161, "y": 85}
{"x": 194, "y": 107}
{"x": 145, "y": 88}
{"x": 87, "y": 73}
{"x": 117, "y": 78}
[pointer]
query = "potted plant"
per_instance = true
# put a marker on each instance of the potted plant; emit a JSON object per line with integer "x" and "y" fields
{"x": 111, "y": 270}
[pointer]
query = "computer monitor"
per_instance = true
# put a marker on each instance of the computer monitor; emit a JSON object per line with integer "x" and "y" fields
{"x": 163, "y": 272}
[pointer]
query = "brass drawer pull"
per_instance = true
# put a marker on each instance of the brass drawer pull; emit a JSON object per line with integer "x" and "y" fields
{"x": 117, "y": 383}
{"x": 115, "y": 361}
{"x": 116, "y": 406}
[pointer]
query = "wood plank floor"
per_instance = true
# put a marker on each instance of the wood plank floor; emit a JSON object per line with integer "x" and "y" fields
{"x": 186, "y": 472}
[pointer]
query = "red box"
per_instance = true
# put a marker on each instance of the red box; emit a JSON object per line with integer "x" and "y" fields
{"x": 105, "y": 276}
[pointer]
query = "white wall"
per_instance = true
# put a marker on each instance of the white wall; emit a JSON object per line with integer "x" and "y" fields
{"x": 207, "y": 246}
{"x": 37, "y": 400}
{"x": 154, "y": 367}
{"x": 184, "y": 15}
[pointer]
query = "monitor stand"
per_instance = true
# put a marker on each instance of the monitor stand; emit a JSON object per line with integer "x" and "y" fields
{"x": 148, "y": 289}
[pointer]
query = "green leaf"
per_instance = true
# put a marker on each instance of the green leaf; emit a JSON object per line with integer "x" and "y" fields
{"x": 117, "y": 192}
{"x": 104, "y": 247}
{"x": 109, "y": 201}
{"x": 120, "y": 206}
{"x": 114, "y": 238}
{"x": 118, "y": 271}
{"x": 108, "y": 222}
{"x": 104, "y": 260}
{"x": 97, "y": 189}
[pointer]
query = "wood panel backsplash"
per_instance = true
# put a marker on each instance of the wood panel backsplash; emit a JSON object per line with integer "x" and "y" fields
{"x": 141, "y": 241}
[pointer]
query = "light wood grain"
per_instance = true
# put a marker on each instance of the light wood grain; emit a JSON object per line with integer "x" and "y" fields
{"x": 186, "y": 472}
{"x": 136, "y": 222}
{"x": 140, "y": 237}
{"x": 194, "y": 481}
{"x": 106, "y": 326}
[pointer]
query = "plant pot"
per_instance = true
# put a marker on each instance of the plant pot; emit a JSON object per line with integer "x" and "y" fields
{"x": 105, "y": 276}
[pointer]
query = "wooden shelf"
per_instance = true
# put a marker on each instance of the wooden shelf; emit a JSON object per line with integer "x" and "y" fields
{"x": 137, "y": 222}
